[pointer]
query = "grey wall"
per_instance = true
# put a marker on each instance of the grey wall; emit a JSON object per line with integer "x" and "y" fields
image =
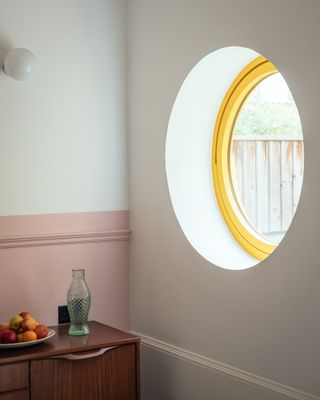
{"x": 266, "y": 319}
{"x": 165, "y": 377}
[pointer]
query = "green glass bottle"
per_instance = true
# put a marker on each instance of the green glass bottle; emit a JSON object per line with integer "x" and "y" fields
{"x": 78, "y": 301}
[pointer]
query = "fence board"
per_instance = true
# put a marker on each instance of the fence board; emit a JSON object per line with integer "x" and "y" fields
{"x": 268, "y": 174}
{"x": 238, "y": 168}
{"x": 249, "y": 180}
{"x": 286, "y": 185}
{"x": 297, "y": 173}
{"x": 262, "y": 193}
{"x": 274, "y": 186}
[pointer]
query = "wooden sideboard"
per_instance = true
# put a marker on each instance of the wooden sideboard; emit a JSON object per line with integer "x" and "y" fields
{"x": 101, "y": 366}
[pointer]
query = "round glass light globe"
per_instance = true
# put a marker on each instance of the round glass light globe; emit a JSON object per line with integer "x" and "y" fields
{"x": 19, "y": 64}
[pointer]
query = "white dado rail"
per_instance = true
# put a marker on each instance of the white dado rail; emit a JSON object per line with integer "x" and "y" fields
{"x": 64, "y": 238}
{"x": 61, "y": 229}
{"x": 236, "y": 373}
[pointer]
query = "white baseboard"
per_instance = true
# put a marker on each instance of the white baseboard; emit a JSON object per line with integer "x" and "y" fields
{"x": 217, "y": 366}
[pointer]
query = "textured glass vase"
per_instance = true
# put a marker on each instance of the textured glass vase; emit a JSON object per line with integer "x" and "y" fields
{"x": 78, "y": 301}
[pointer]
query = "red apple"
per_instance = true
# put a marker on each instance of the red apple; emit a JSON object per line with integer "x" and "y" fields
{"x": 3, "y": 326}
{"x": 9, "y": 336}
{"x": 2, "y": 332}
{"x": 28, "y": 324}
{"x": 41, "y": 331}
{"x": 25, "y": 315}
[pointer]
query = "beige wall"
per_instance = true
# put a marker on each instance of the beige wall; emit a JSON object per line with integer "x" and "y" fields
{"x": 264, "y": 320}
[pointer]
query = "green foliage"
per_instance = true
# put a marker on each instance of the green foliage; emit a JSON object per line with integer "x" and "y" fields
{"x": 260, "y": 117}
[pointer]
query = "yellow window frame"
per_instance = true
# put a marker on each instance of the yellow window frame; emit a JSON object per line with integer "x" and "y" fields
{"x": 231, "y": 106}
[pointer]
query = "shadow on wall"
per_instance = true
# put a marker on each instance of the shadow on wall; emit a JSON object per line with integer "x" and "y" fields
{"x": 5, "y": 46}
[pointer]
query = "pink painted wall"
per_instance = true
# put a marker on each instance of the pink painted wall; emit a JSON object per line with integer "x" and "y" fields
{"x": 63, "y": 156}
{"x": 37, "y": 254}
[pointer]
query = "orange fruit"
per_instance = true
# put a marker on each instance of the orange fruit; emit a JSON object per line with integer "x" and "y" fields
{"x": 20, "y": 337}
{"x": 29, "y": 336}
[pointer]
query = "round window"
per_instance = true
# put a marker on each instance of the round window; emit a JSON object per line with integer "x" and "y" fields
{"x": 258, "y": 157}
{"x": 234, "y": 157}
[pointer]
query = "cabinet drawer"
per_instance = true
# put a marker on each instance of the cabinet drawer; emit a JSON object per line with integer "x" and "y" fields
{"x": 108, "y": 374}
{"x": 14, "y": 376}
{"x": 19, "y": 395}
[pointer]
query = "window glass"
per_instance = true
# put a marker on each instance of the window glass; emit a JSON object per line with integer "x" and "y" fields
{"x": 267, "y": 158}
{"x": 257, "y": 157}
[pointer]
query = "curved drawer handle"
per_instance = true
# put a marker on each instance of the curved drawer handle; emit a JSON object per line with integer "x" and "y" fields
{"x": 75, "y": 357}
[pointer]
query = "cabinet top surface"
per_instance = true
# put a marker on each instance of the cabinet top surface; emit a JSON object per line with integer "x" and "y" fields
{"x": 100, "y": 336}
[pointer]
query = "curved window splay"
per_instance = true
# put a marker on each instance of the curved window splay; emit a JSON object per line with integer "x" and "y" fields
{"x": 234, "y": 157}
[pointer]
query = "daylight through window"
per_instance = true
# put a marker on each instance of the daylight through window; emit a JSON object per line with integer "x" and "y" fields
{"x": 258, "y": 158}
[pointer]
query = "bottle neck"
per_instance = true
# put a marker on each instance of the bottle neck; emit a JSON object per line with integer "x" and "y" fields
{"x": 78, "y": 273}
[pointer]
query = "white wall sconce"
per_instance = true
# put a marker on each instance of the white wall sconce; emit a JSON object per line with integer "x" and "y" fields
{"x": 19, "y": 64}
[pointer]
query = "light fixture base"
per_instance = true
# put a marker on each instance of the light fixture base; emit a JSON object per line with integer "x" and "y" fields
{"x": 19, "y": 64}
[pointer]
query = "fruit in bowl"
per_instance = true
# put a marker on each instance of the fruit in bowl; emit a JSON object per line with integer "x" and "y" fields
{"x": 19, "y": 337}
{"x": 15, "y": 322}
{"x": 29, "y": 336}
{"x": 41, "y": 330}
{"x": 28, "y": 324}
{"x": 22, "y": 327}
{"x": 2, "y": 332}
{"x": 25, "y": 315}
{"x": 3, "y": 325}
{"x": 8, "y": 336}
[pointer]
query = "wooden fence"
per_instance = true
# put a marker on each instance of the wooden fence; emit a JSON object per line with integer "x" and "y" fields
{"x": 268, "y": 172}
